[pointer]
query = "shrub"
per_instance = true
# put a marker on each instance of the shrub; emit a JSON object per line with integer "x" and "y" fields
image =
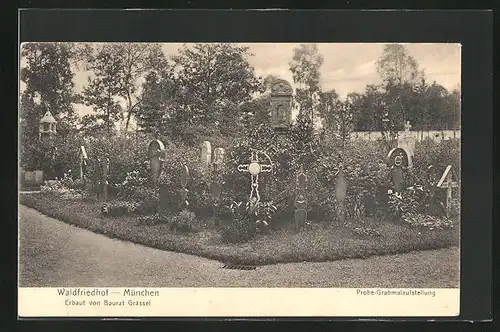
{"x": 240, "y": 230}
{"x": 151, "y": 220}
{"x": 120, "y": 208}
{"x": 237, "y": 223}
{"x": 426, "y": 221}
{"x": 185, "y": 221}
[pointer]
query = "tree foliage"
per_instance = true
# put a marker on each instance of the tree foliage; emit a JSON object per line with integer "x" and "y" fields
{"x": 117, "y": 69}
{"x": 211, "y": 81}
{"x": 305, "y": 66}
{"x": 396, "y": 66}
{"x": 47, "y": 77}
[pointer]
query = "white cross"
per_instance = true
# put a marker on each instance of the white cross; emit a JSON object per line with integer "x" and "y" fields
{"x": 407, "y": 127}
{"x": 254, "y": 168}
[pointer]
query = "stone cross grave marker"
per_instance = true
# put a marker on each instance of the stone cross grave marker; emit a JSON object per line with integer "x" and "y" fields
{"x": 206, "y": 155}
{"x": 301, "y": 200}
{"x": 407, "y": 142}
{"x": 83, "y": 163}
{"x": 255, "y": 168}
{"x": 447, "y": 182}
{"x": 340, "y": 194}
{"x": 184, "y": 191}
{"x": 156, "y": 155}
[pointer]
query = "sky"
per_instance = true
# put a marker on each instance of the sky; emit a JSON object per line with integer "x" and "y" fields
{"x": 347, "y": 67}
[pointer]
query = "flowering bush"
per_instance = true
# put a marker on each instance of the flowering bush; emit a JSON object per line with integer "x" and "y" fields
{"x": 120, "y": 208}
{"x": 426, "y": 221}
{"x": 60, "y": 189}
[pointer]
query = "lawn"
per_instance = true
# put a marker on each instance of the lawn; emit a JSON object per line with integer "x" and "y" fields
{"x": 318, "y": 244}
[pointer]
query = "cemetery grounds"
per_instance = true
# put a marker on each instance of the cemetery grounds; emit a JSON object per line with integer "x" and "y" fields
{"x": 204, "y": 204}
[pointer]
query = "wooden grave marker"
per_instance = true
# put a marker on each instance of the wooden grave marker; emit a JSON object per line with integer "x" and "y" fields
{"x": 446, "y": 182}
{"x": 301, "y": 200}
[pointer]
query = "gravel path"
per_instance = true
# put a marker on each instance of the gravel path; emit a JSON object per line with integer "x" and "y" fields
{"x": 53, "y": 253}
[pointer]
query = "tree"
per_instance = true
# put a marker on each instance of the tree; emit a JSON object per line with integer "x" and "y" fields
{"x": 158, "y": 101}
{"x": 399, "y": 72}
{"x": 396, "y": 66}
{"x": 328, "y": 108}
{"x": 118, "y": 68}
{"x": 305, "y": 66}
{"x": 47, "y": 74}
{"x": 213, "y": 80}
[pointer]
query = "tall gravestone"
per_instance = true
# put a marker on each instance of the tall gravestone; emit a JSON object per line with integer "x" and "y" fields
{"x": 281, "y": 105}
{"x": 216, "y": 186}
{"x": 184, "y": 191}
{"x": 340, "y": 195}
{"x": 218, "y": 159}
{"x": 101, "y": 177}
{"x": 301, "y": 200}
{"x": 206, "y": 155}
{"x": 156, "y": 155}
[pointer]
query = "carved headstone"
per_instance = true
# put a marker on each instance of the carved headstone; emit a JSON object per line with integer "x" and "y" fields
{"x": 398, "y": 160}
{"x": 301, "y": 200}
{"x": 281, "y": 105}
{"x": 206, "y": 155}
{"x": 156, "y": 155}
{"x": 340, "y": 194}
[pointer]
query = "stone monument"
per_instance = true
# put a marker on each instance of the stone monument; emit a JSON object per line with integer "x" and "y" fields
{"x": 281, "y": 105}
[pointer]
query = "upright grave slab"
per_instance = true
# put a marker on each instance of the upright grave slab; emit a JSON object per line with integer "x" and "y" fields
{"x": 156, "y": 155}
{"x": 216, "y": 186}
{"x": 184, "y": 204}
{"x": 206, "y": 155}
{"x": 218, "y": 159}
{"x": 340, "y": 194}
{"x": 101, "y": 171}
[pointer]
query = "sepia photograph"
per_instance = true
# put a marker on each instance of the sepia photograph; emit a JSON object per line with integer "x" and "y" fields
{"x": 239, "y": 165}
